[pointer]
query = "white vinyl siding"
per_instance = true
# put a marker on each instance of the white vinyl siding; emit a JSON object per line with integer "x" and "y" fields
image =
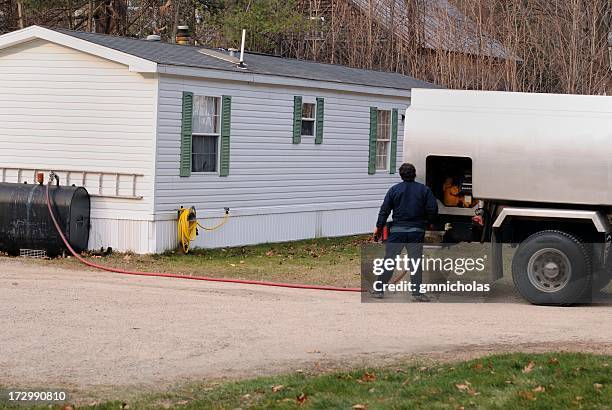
{"x": 270, "y": 174}
{"x": 65, "y": 109}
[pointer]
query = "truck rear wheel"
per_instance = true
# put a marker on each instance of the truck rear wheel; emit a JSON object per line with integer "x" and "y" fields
{"x": 552, "y": 268}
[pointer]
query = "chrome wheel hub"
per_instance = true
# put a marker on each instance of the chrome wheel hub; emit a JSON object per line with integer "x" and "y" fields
{"x": 549, "y": 270}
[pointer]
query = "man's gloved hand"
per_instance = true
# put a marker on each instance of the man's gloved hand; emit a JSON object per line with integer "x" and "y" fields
{"x": 377, "y": 234}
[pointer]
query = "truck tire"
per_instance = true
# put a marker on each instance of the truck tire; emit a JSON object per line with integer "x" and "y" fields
{"x": 552, "y": 268}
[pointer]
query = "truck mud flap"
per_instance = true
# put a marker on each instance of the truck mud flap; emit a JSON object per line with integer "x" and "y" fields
{"x": 497, "y": 262}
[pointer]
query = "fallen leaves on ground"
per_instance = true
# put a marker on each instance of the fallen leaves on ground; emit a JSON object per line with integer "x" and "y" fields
{"x": 466, "y": 386}
{"x": 539, "y": 389}
{"x": 360, "y": 407}
{"x": 301, "y": 399}
{"x": 277, "y": 388}
{"x": 463, "y": 386}
{"x": 530, "y": 366}
{"x": 368, "y": 377}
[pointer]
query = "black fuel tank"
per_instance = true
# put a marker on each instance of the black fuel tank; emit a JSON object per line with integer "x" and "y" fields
{"x": 25, "y": 222}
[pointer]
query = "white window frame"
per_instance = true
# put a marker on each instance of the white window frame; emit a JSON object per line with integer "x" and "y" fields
{"x": 387, "y": 141}
{"x": 218, "y": 135}
{"x": 313, "y": 119}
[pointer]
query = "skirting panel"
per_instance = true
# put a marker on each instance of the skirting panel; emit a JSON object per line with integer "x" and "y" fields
{"x": 255, "y": 229}
{"x": 122, "y": 235}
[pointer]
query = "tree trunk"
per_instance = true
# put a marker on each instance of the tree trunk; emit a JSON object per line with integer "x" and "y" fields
{"x": 21, "y": 15}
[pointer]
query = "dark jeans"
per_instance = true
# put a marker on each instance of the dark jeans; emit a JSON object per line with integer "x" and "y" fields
{"x": 413, "y": 242}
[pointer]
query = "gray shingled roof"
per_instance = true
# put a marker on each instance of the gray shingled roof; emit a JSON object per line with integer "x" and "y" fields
{"x": 189, "y": 56}
{"x": 441, "y": 26}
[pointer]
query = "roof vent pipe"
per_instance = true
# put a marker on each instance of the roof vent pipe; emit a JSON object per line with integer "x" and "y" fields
{"x": 153, "y": 37}
{"x": 241, "y": 64}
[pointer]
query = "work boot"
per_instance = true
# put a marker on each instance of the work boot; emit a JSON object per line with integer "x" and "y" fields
{"x": 377, "y": 295}
{"x": 420, "y": 297}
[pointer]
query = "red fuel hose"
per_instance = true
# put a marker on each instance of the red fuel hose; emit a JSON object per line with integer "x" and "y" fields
{"x": 171, "y": 275}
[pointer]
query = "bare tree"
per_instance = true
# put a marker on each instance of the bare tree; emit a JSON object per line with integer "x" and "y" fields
{"x": 555, "y": 46}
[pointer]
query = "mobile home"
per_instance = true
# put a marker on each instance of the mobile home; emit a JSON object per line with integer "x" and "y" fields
{"x": 295, "y": 149}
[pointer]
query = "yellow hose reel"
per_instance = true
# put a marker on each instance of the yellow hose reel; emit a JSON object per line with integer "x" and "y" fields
{"x": 188, "y": 226}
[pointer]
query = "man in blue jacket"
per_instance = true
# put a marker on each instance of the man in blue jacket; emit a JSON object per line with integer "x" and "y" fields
{"x": 414, "y": 207}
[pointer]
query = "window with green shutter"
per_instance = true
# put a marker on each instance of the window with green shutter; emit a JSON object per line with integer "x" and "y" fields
{"x": 308, "y": 119}
{"x": 383, "y": 140}
{"x": 373, "y": 128}
{"x": 185, "y": 161}
{"x": 205, "y": 134}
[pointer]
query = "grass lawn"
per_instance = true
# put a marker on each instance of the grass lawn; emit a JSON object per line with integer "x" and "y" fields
{"x": 509, "y": 381}
{"x": 329, "y": 261}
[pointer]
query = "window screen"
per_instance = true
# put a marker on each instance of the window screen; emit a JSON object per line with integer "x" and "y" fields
{"x": 383, "y": 139}
{"x": 308, "y": 119}
{"x": 205, "y": 140}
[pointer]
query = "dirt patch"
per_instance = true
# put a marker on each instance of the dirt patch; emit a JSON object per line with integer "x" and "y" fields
{"x": 93, "y": 332}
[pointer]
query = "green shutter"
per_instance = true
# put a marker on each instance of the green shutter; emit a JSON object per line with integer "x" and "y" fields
{"x": 185, "y": 163}
{"x": 393, "y": 151}
{"x": 373, "y": 126}
{"x": 226, "y": 121}
{"x": 320, "y": 114}
{"x": 297, "y": 119}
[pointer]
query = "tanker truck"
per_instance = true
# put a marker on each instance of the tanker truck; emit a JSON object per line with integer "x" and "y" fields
{"x": 531, "y": 174}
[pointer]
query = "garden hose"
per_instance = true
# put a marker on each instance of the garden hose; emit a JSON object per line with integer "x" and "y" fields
{"x": 172, "y": 275}
{"x": 188, "y": 226}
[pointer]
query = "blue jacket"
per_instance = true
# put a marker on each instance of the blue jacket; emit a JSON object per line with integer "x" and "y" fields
{"x": 413, "y": 205}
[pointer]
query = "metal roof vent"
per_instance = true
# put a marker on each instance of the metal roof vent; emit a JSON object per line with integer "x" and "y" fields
{"x": 153, "y": 37}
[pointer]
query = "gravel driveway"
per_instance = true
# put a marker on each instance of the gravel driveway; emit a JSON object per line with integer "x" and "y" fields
{"x": 94, "y": 330}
